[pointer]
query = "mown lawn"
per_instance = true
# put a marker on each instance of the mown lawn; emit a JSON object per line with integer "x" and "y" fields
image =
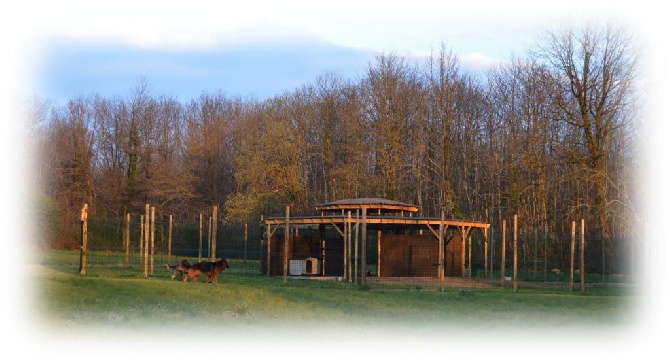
{"x": 243, "y": 299}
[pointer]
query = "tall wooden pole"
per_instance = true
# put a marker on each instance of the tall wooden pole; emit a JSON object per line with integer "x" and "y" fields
{"x": 572, "y": 255}
{"x": 246, "y": 239}
{"x": 379, "y": 253}
{"x": 142, "y": 220}
{"x": 364, "y": 236}
{"x": 209, "y": 237}
{"x": 169, "y": 237}
{"x": 486, "y": 245}
{"x": 267, "y": 269}
{"x": 486, "y": 252}
{"x": 287, "y": 230}
{"x": 349, "y": 246}
{"x": 146, "y": 239}
{"x": 546, "y": 236}
{"x": 200, "y": 240}
{"x": 582, "y": 270}
{"x": 153, "y": 236}
{"x": 440, "y": 250}
{"x": 470, "y": 254}
{"x": 127, "y": 237}
{"x": 516, "y": 280}
{"x": 215, "y": 229}
{"x": 463, "y": 246}
{"x": 347, "y": 234}
{"x": 356, "y": 250}
{"x": 502, "y": 252}
{"x": 493, "y": 247}
{"x": 84, "y": 239}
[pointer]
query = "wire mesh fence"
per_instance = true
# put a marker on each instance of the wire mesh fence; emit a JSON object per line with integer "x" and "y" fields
{"x": 116, "y": 246}
{"x": 124, "y": 248}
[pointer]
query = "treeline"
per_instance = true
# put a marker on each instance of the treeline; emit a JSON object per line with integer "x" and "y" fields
{"x": 550, "y": 137}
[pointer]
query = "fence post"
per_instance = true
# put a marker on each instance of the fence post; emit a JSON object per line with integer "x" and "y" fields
{"x": 287, "y": 230}
{"x": 572, "y": 256}
{"x": 246, "y": 238}
{"x": 215, "y": 226}
{"x": 200, "y": 243}
{"x": 153, "y": 234}
{"x": 502, "y": 253}
{"x": 209, "y": 238}
{"x": 516, "y": 281}
{"x": 170, "y": 237}
{"x": 84, "y": 239}
{"x": 582, "y": 271}
{"x": 146, "y": 240}
{"x": 364, "y": 239}
{"x": 142, "y": 236}
{"x": 127, "y": 237}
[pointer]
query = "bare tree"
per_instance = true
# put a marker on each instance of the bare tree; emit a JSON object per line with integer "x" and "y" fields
{"x": 596, "y": 68}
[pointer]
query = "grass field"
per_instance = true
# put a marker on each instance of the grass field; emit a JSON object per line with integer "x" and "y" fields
{"x": 243, "y": 299}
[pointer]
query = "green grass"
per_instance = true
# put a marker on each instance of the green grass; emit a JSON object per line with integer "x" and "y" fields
{"x": 123, "y": 297}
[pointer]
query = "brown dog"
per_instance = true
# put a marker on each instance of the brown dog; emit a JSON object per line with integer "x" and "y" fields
{"x": 210, "y": 269}
{"x": 178, "y": 269}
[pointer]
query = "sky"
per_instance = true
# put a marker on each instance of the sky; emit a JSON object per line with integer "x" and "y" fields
{"x": 260, "y": 48}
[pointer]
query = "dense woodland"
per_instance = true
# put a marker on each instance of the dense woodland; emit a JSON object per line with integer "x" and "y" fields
{"x": 550, "y": 136}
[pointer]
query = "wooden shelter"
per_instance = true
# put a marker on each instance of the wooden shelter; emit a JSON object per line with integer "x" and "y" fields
{"x": 337, "y": 241}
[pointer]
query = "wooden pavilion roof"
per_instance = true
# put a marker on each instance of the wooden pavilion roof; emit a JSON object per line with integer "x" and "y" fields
{"x": 372, "y": 204}
{"x": 379, "y": 212}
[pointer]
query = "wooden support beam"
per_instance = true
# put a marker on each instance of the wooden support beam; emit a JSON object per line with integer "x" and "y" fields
{"x": 287, "y": 231}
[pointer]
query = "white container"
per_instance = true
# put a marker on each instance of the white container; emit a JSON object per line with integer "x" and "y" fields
{"x": 296, "y": 267}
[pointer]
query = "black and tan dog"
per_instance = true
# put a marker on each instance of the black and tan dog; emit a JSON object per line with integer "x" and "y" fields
{"x": 210, "y": 269}
{"x": 178, "y": 269}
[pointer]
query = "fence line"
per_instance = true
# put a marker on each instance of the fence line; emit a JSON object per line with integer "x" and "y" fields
{"x": 144, "y": 243}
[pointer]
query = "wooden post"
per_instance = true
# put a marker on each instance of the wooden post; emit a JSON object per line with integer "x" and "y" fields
{"x": 546, "y": 235}
{"x": 486, "y": 252}
{"x": 269, "y": 236}
{"x": 169, "y": 237}
{"x": 356, "y": 250}
{"x": 493, "y": 247}
{"x": 345, "y": 240}
{"x": 127, "y": 237}
{"x": 440, "y": 250}
{"x": 146, "y": 239}
{"x": 246, "y": 238}
{"x": 153, "y": 236}
{"x": 84, "y": 239}
{"x": 463, "y": 245}
{"x": 502, "y": 252}
{"x": 349, "y": 246}
{"x": 287, "y": 230}
{"x": 470, "y": 255}
{"x": 209, "y": 237}
{"x": 200, "y": 240}
{"x": 323, "y": 257}
{"x": 486, "y": 244}
{"x": 141, "y": 237}
{"x": 572, "y": 255}
{"x": 364, "y": 236}
{"x": 582, "y": 270}
{"x": 516, "y": 279}
{"x": 215, "y": 229}
{"x": 379, "y": 253}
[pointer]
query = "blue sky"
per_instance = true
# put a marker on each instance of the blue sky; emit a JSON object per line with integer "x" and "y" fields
{"x": 260, "y": 48}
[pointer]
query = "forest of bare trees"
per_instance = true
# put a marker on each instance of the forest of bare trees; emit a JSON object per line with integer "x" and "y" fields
{"x": 551, "y": 137}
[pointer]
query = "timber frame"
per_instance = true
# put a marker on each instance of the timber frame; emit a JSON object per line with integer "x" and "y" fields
{"x": 351, "y": 217}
